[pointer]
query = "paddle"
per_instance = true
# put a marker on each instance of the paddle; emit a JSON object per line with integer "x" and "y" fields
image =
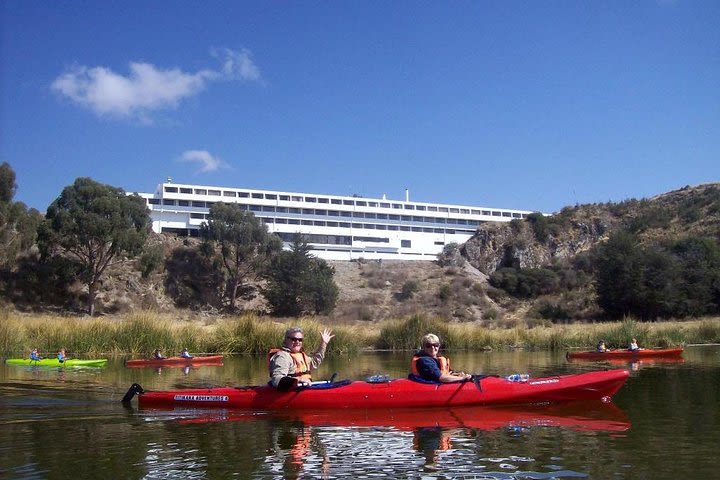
{"x": 134, "y": 389}
{"x": 476, "y": 377}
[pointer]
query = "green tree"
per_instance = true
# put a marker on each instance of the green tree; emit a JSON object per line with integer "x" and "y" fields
{"x": 245, "y": 246}
{"x": 321, "y": 291}
{"x": 18, "y": 224}
{"x": 96, "y": 225}
{"x": 699, "y": 278}
{"x": 299, "y": 283}
{"x": 7, "y": 183}
{"x": 618, "y": 274}
{"x": 647, "y": 282}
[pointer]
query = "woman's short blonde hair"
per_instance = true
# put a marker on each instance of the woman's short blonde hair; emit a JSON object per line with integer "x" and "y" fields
{"x": 430, "y": 338}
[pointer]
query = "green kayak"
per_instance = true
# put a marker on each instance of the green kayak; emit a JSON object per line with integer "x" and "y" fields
{"x": 54, "y": 362}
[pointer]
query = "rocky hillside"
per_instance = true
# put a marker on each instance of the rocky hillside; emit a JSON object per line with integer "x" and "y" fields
{"x": 373, "y": 291}
{"x": 690, "y": 210}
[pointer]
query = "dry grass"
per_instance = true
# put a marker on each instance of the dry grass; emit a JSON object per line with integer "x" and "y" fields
{"x": 140, "y": 333}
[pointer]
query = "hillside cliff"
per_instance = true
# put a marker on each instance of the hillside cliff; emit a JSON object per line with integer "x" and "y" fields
{"x": 574, "y": 230}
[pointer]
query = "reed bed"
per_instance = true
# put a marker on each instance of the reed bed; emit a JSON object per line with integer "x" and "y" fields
{"x": 140, "y": 333}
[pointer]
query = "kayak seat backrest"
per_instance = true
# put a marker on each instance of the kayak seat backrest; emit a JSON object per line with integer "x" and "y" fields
{"x": 415, "y": 378}
{"x": 378, "y": 379}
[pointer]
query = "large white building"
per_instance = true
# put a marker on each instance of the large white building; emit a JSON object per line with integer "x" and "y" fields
{"x": 335, "y": 227}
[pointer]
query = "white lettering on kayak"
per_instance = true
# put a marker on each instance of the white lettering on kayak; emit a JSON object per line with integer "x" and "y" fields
{"x": 201, "y": 398}
{"x": 541, "y": 382}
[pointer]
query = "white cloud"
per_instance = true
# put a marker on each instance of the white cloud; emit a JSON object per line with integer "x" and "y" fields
{"x": 238, "y": 64}
{"x": 204, "y": 158}
{"x": 147, "y": 88}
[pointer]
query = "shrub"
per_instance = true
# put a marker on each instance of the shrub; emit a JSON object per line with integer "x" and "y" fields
{"x": 151, "y": 260}
{"x": 409, "y": 289}
{"x": 444, "y": 293}
{"x": 525, "y": 283}
{"x": 551, "y": 310}
{"x": 451, "y": 256}
{"x": 539, "y": 224}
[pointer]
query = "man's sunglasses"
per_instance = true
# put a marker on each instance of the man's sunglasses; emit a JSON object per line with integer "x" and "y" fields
{"x": 295, "y": 339}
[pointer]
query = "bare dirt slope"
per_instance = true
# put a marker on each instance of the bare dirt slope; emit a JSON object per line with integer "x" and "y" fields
{"x": 373, "y": 290}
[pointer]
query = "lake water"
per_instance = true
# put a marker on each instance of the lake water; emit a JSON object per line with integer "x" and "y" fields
{"x": 69, "y": 423}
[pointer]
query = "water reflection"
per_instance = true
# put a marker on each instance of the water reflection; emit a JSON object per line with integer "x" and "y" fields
{"x": 430, "y": 441}
{"x": 635, "y": 364}
{"x": 330, "y": 443}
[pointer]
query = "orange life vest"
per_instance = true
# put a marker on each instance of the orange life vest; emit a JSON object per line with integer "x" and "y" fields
{"x": 443, "y": 363}
{"x": 302, "y": 364}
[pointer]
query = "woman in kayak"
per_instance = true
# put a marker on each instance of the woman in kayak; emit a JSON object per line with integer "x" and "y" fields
{"x": 426, "y": 364}
{"x": 185, "y": 353}
{"x": 61, "y": 356}
{"x": 633, "y": 345}
{"x": 290, "y": 366}
{"x": 601, "y": 346}
{"x": 34, "y": 355}
{"x": 157, "y": 355}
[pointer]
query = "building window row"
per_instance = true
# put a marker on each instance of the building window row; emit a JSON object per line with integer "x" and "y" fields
{"x": 315, "y": 238}
{"x": 364, "y": 226}
{"x": 332, "y": 201}
{"x": 337, "y": 213}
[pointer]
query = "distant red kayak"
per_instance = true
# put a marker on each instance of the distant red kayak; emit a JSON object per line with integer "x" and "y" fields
{"x": 401, "y": 393}
{"x": 626, "y": 354}
{"x": 214, "y": 360}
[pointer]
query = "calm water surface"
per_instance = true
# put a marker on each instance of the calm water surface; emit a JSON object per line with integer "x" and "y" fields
{"x": 69, "y": 423}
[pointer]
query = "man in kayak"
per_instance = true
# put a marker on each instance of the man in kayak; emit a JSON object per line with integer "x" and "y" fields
{"x": 633, "y": 345}
{"x": 290, "y": 366}
{"x": 426, "y": 364}
{"x": 185, "y": 353}
{"x": 601, "y": 346}
{"x": 157, "y": 355}
{"x": 34, "y": 355}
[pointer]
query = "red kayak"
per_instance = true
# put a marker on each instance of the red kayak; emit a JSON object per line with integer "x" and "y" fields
{"x": 586, "y": 416}
{"x": 214, "y": 360}
{"x": 393, "y": 394}
{"x": 626, "y": 354}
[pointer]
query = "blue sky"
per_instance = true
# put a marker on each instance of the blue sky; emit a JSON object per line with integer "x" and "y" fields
{"x": 531, "y": 105}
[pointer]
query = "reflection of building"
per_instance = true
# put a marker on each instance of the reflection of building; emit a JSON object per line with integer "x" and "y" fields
{"x": 335, "y": 227}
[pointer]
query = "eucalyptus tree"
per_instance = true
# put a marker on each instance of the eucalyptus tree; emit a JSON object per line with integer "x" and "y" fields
{"x": 18, "y": 224}
{"x": 299, "y": 283}
{"x": 97, "y": 225}
{"x": 245, "y": 246}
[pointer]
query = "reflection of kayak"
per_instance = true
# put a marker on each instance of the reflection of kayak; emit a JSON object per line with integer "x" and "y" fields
{"x": 645, "y": 361}
{"x": 214, "y": 360}
{"x": 54, "y": 362}
{"x": 623, "y": 354}
{"x": 400, "y": 393}
{"x": 592, "y": 415}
